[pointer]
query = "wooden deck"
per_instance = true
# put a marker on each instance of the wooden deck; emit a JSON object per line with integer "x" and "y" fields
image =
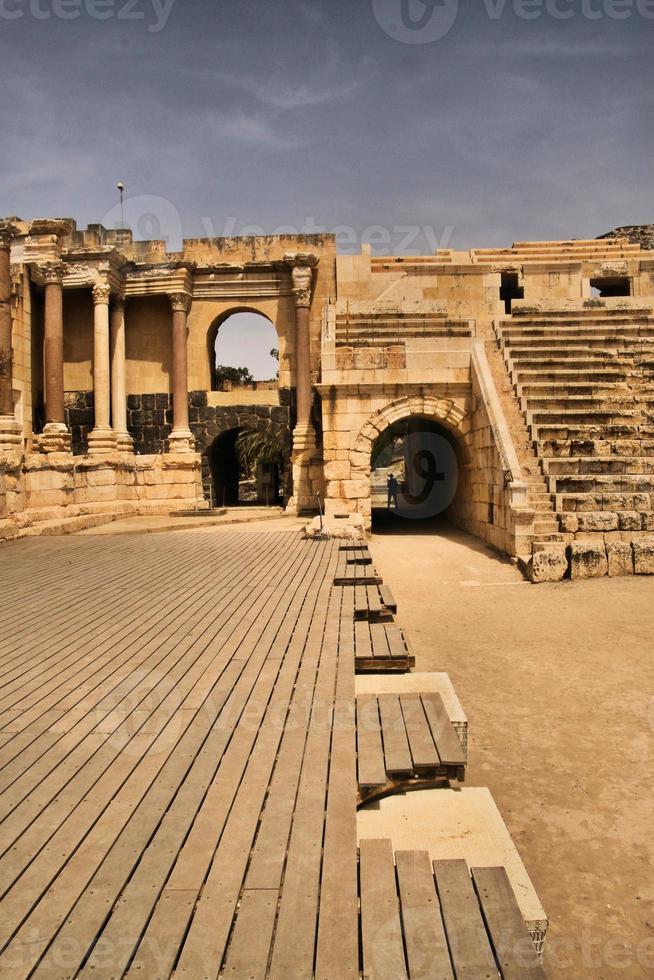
{"x": 178, "y": 759}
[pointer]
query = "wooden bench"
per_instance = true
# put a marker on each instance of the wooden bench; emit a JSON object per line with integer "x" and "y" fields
{"x": 426, "y": 921}
{"x": 405, "y": 742}
{"x": 381, "y": 647}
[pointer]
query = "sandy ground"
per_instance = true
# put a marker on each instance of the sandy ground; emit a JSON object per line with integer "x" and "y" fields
{"x": 556, "y": 681}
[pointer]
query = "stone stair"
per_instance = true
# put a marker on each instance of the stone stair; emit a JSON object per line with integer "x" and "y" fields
{"x": 545, "y": 528}
{"x": 584, "y": 384}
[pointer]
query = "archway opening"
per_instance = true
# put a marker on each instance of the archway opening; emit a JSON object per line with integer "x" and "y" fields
{"x": 243, "y": 352}
{"x": 247, "y": 469}
{"x": 415, "y": 470}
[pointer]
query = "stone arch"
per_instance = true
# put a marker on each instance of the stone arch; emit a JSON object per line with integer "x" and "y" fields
{"x": 214, "y": 329}
{"x": 215, "y": 421}
{"x": 445, "y": 411}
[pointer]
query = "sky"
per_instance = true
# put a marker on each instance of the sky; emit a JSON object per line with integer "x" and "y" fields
{"x": 413, "y": 125}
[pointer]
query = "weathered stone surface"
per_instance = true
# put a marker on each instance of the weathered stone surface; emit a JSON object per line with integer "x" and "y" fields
{"x": 630, "y": 521}
{"x": 644, "y": 557}
{"x": 620, "y": 558}
{"x": 547, "y": 566}
{"x": 587, "y": 560}
{"x": 597, "y": 521}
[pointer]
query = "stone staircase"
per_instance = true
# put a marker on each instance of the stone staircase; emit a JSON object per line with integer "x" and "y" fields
{"x": 584, "y": 382}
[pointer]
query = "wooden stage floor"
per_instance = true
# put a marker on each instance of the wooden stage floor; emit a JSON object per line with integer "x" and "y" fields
{"x": 178, "y": 775}
{"x": 174, "y": 793}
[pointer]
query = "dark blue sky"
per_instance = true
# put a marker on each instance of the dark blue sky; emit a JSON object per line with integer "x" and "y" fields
{"x": 231, "y": 116}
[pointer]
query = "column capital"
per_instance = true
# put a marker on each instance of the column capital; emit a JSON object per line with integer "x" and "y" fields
{"x": 52, "y": 272}
{"x": 101, "y": 294}
{"x": 180, "y": 302}
{"x": 302, "y": 265}
{"x": 8, "y": 233}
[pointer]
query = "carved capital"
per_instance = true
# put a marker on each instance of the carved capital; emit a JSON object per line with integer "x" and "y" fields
{"x": 101, "y": 293}
{"x": 53, "y": 273}
{"x": 8, "y": 233}
{"x": 180, "y": 302}
{"x": 302, "y": 265}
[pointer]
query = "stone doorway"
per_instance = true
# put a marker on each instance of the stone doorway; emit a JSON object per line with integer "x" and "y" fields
{"x": 414, "y": 474}
{"x": 245, "y": 470}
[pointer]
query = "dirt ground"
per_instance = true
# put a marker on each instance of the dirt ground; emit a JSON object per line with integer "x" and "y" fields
{"x": 556, "y": 681}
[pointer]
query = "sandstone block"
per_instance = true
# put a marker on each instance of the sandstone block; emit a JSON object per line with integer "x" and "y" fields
{"x": 629, "y": 521}
{"x": 588, "y": 560}
{"x": 647, "y": 522}
{"x": 598, "y": 521}
{"x": 569, "y": 523}
{"x": 644, "y": 557}
{"x": 620, "y": 558}
{"x": 355, "y": 489}
{"x": 547, "y": 566}
{"x": 337, "y": 470}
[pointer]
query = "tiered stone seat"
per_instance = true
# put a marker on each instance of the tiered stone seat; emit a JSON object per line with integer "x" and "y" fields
{"x": 584, "y": 383}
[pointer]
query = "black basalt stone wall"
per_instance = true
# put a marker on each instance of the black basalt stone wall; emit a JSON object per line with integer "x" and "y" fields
{"x": 79, "y": 412}
{"x": 150, "y": 421}
{"x": 208, "y": 422}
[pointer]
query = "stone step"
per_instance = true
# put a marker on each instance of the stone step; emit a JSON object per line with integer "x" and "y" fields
{"x": 602, "y": 483}
{"x": 566, "y": 391}
{"x": 542, "y": 421}
{"x": 592, "y": 521}
{"x": 547, "y": 527}
{"x": 548, "y": 374}
{"x": 564, "y": 353}
{"x": 595, "y": 465}
{"x": 590, "y": 342}
{"x": 614, "y": 503}
{"x": 591, "y": 448}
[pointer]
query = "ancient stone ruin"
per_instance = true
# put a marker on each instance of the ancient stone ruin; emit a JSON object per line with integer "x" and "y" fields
{"x": 534, "y": 363}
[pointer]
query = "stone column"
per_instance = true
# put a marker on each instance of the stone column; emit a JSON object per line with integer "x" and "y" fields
{"x": 181, "y": 438}
{"x": 124, "y": 441}
{"x": 102, "y": 439}
{"x": 55, "y": 437}
{"x": 304, "y": 437}
{"x": 10, "y": 431}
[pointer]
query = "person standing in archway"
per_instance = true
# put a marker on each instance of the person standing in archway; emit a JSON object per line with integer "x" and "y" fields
{"x": 392, "y": 486}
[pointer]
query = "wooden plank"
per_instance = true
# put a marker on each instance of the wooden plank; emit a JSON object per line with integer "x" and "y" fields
{"x": 381, "y": 929}
{"x": 397, "y": 753}
{"x": 370, "y": 753}
{"x": 396, "y": 645}
{"x": 387, "y": 598}
{"x": 423, "y": 751}
{"x": 467, "y": 940}
{"x": 362, "y": 641}
{"x": 424, "y": 934}
{"x": 446, "y": 739}
{"x": 379, "y": 642}
{"x": 514, "y": 948}
{"x": 337, "y": 945}
{"x": 250, "y": 945}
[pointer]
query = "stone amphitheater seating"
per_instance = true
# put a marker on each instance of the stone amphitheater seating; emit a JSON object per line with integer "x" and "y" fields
{"x": 585, "y": 383}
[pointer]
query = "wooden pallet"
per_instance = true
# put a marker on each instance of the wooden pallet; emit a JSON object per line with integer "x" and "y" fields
{"x": 421, "y": 920}
{"x": 405, "y": 742}
{"x": 369, "y": 603}
{"x": 381, "y": 647}
{"x": 355, "y": 574}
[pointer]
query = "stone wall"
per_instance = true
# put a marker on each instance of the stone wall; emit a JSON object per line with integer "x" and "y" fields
{"x": 642, "y": 235}
{"x": 36, "y": 488}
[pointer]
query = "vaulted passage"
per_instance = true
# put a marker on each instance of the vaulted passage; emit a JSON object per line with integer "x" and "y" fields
{"x": 246, "y": 467}
{"x": 414, "y": 473}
